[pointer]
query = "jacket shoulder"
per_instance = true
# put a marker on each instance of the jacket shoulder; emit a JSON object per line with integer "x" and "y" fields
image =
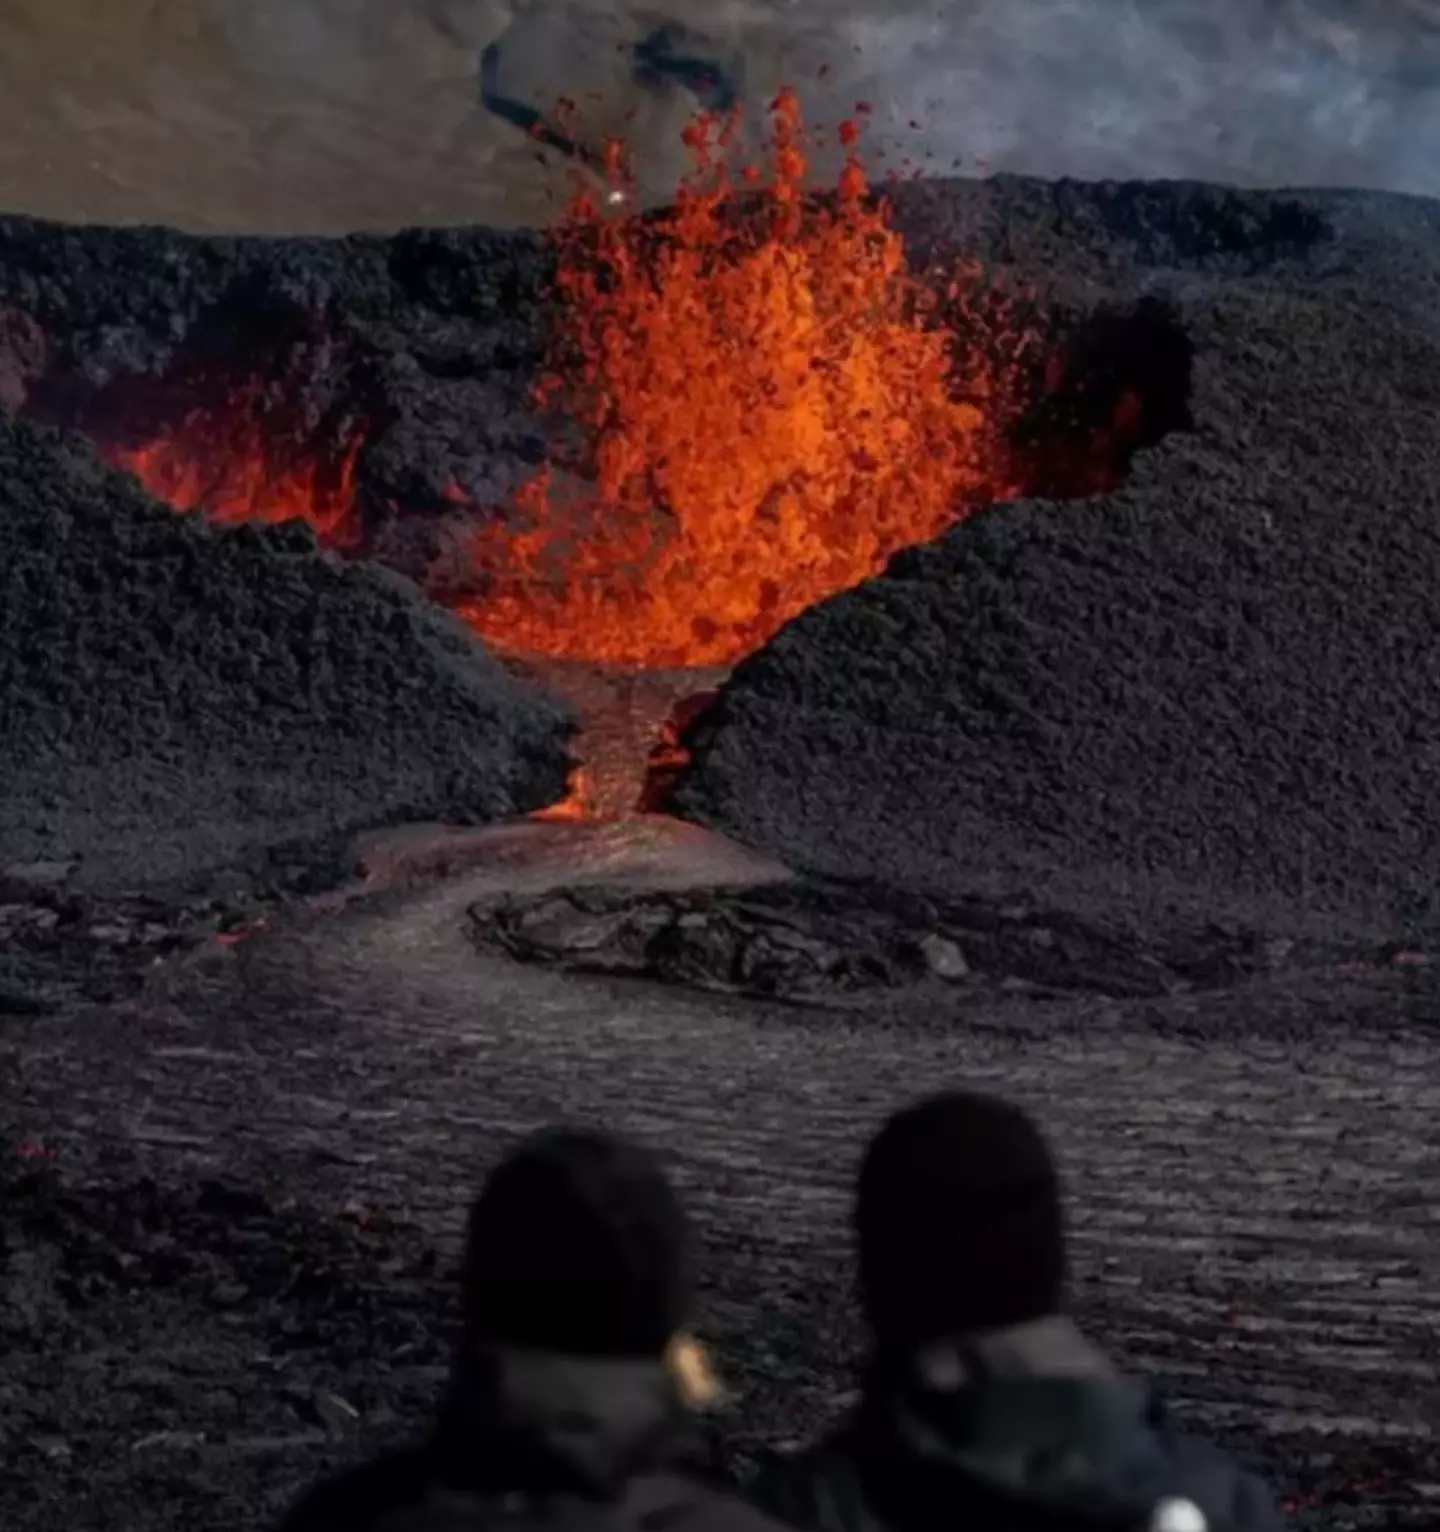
{"x": 368, "y": 1495}
{"x": 817, "y": 1489}
{"x": 1224, "y": 1489}
{"x": 692, "y": 1503}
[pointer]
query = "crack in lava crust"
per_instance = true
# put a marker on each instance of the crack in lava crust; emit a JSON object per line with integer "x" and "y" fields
{"x": 768, "y": 407}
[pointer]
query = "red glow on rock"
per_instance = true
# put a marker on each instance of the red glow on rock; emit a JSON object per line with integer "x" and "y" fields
{"x": 575, "y": 805}
{"x": 228, "y": 465}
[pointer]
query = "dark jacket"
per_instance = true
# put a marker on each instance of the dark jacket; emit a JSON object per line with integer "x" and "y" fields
{"x": 527, "y": 1438}
{"x": 1027, "y": 1430}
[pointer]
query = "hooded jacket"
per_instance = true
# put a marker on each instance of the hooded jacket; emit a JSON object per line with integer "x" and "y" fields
{"x": 1022, "y": 1430}
{"x": 527, "y": 1438}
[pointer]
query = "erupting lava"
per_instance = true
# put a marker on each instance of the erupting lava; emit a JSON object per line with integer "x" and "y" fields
{"x": 761, "y": 405}
{"x": 228, "y": 466}
{"x": 768, "y": 409}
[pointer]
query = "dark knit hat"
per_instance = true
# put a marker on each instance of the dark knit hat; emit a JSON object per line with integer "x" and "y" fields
{"x": 959, "y": 1221}
{"x": 577, "y": 1244}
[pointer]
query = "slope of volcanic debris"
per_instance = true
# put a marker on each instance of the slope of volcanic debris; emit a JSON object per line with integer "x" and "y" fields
{"x": 178, "y": 701}
{"x": 1215, "y": 691}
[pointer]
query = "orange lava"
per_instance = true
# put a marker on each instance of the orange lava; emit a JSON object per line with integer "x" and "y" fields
{"x": 576, "y": 805}
{"x": 230, "y": 467}
{"x": 768, "y": 408}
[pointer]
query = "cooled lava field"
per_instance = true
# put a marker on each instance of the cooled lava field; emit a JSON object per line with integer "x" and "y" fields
{"x": 717, "y": 673}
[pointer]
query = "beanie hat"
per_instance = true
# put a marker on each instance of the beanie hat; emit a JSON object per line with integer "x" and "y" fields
{"x": 959, "y": 1222}
{"x": 578, "y": 1244}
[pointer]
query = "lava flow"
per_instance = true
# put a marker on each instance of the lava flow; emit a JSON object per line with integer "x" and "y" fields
{"x": 768, "y": 409}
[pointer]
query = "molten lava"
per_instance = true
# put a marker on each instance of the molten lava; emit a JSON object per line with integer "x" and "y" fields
{"x": 575, "y": 806}
{"x": 767, "y": 406}
{"x": 229, "y": 465}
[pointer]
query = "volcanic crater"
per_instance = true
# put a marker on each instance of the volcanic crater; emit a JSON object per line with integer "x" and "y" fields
{"x": 735, "y": 409}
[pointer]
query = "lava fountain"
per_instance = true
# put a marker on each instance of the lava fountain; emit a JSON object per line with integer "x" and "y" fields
{"x": 762, "y": 406}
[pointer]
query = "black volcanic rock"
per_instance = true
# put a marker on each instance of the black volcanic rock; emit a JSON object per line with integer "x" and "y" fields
{"x": 178, "y": 701}
{"x": 1215, "y": 692}
{"x": 421, "y": 348}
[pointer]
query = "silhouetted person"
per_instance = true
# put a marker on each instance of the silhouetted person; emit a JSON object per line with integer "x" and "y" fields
{"x": 574, "y": 1383}
{"x": 984, "y": 1408}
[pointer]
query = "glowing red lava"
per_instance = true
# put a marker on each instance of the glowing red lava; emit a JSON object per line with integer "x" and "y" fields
{"x": 769, "y": 409}
{"x": 227, "y": 465}
{"x": 576, "y": 805}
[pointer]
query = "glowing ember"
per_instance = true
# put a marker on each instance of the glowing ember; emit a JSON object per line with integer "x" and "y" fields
{"x": 769, "y": 410}
{"x": 230, "y": 467}
{"x": 575, "y": 805}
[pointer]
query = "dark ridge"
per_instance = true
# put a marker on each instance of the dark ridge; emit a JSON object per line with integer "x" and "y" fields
{"x": 1175, "y": 225}
{"x": 180, "y": 704}
{"x": 1215, "y": 691}
{"x": 1137, "y": 226}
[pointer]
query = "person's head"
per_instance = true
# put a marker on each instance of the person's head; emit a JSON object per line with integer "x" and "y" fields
{"x": 959, "y": 1223}
{"x": 578, "y": 1244}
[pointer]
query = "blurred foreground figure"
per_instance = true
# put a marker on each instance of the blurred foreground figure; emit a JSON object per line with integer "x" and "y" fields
{"x": 574, "y": 1382}
{"x": 984, "y": 1407}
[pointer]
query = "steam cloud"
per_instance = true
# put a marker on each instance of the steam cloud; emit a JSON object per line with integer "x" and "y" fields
{"x": 1255, "y": 92}
{"x": 1249, "y": 91}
